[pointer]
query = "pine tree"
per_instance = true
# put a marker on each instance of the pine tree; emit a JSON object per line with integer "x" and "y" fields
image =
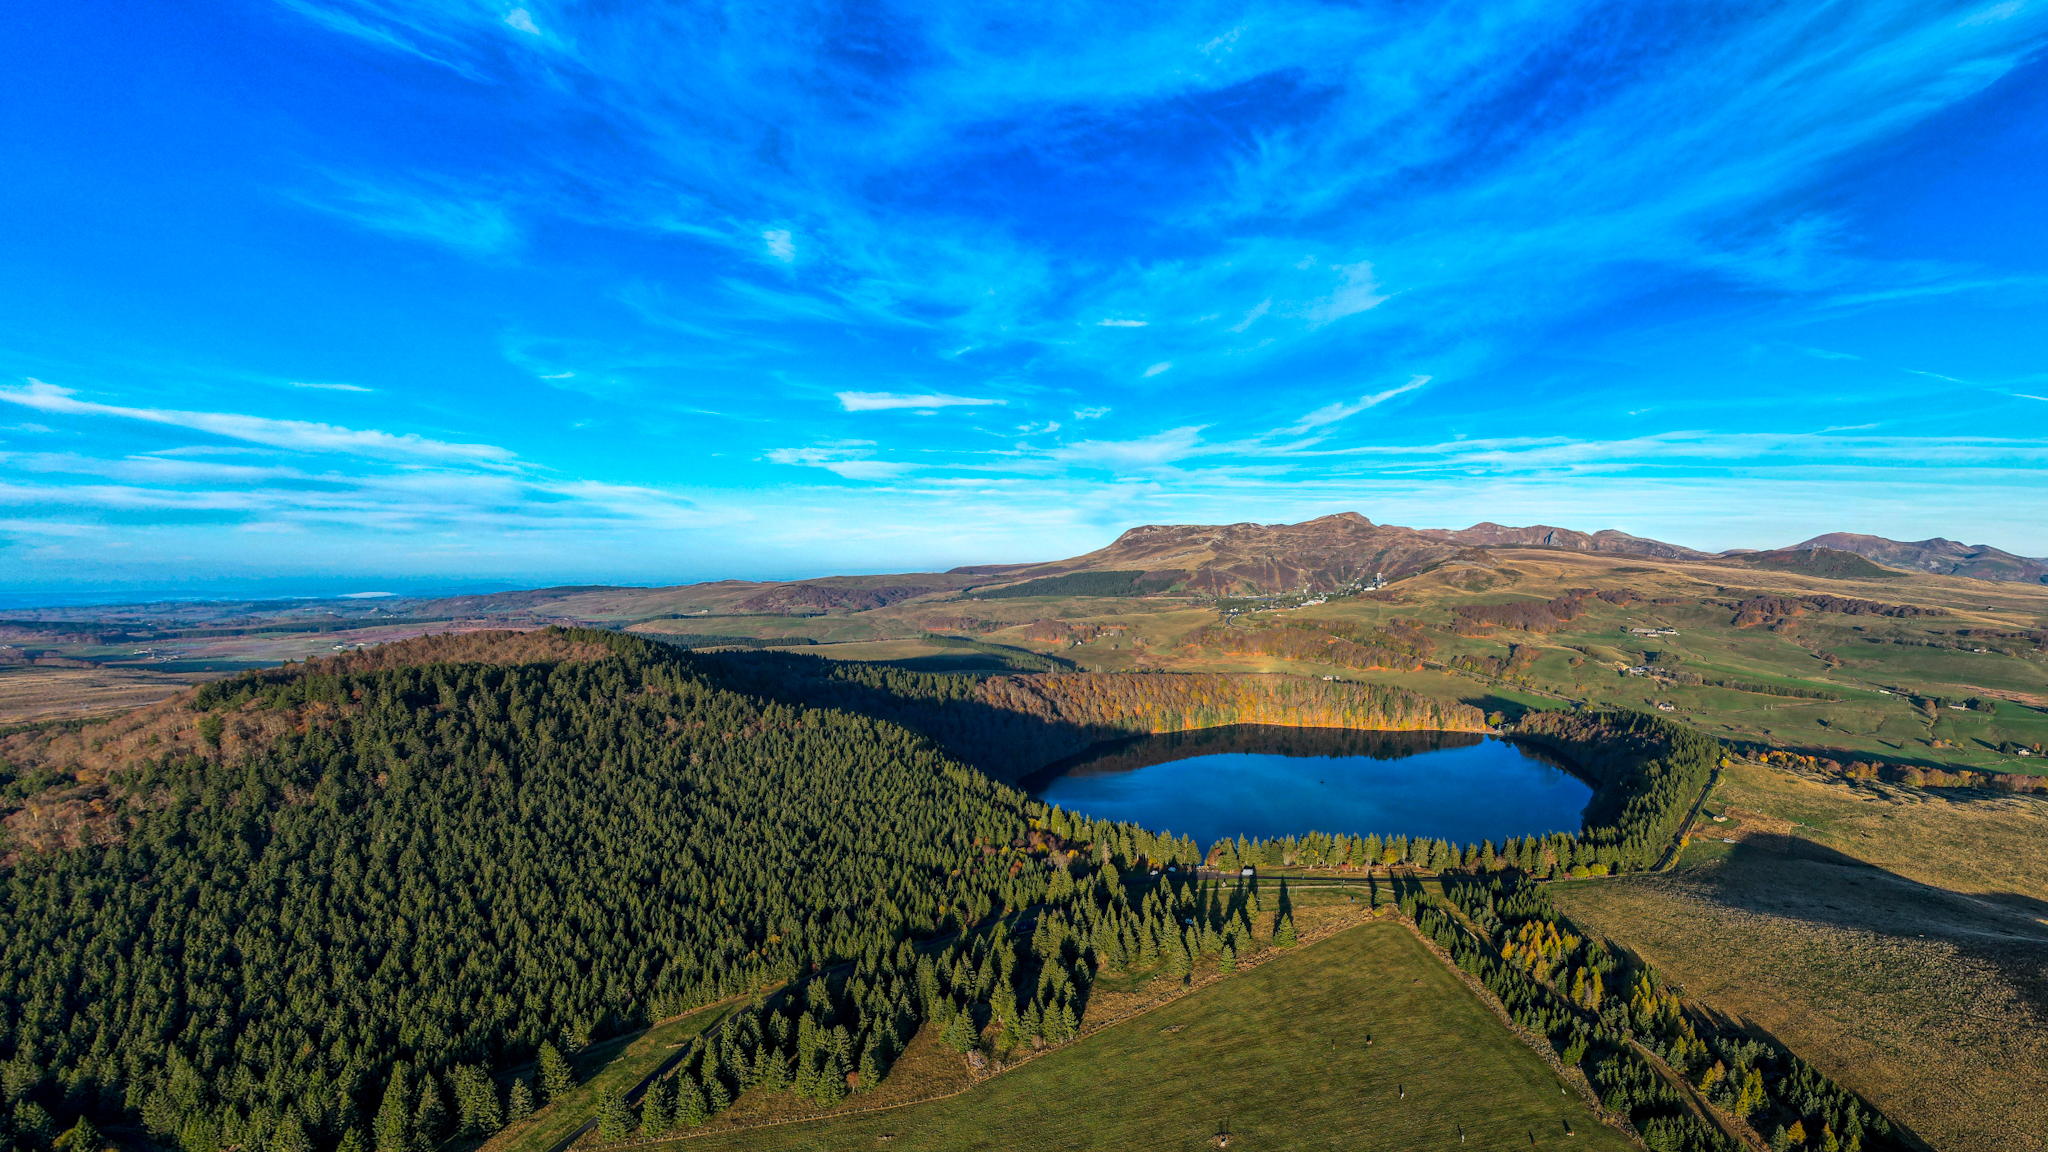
{"x": 716, "y": 1096}
{"x": 394, "y": 1117}
{"x": 832, "y": 1081}
{"x": 431, "y": 1119}
{"x": 351, "y": 1141}
{"x": 690, "y": 1107}
{"x": 83, "y": 1137}
{"x": 521, "y": 1103}
{"x": 657, "y": 1109}
{"x": 614, "y": 1119}
{"x": 772, "y": 1071}
{"x": 476, "y": 1101}
{"x": 1070, "y": 1026}
{"x": 959, "y": 1034}
{"x": 870, "y": 1069}
{"x": 288, "y": 1136}
{"x": 1284, "y": 936}
{"x": 555, "y": 1076}
{"x": 1229, "y": 961}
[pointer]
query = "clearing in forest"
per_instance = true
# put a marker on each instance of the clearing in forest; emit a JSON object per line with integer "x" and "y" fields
{"x": 1363, "y": 1041}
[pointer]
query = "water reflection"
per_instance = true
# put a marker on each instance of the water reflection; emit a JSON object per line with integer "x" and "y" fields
{"x": 1257, "y": 780}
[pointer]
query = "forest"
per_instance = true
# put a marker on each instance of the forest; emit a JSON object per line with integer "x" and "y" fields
{"x": 1009, "y": 726}
{"x": 458, "y": 864}
{"x": 1400, "y": 644}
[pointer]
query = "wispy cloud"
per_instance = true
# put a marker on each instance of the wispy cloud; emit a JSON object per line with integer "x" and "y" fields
{"x": 1339, "y": 410}
{"x": 780, "y": 244}
{"x": 848, "y": 459}
{"x": 884, "y": 401}
{"x": 1120, "y": 323}
{"x": 296, "y": 435}
{"x": 470, "y": 225}
{"x": 331, "y": 387}
{"x": 1156, "y": 369}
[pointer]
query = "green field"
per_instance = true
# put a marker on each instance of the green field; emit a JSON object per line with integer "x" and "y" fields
{"x": 1280, "y": 1055}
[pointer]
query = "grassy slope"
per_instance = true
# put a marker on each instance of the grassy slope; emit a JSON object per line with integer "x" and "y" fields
{"x": 618, "y": 1063}
{"x": 1893, "y": 936}
{"x": 1279, "y": 1051}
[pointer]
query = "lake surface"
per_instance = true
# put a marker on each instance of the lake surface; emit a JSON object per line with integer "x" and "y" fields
{"x": 1255, "y": 780}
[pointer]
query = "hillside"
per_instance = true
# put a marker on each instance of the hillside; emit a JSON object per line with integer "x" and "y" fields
{"x": 1324, "y": 554}
{"x": 283, "y": 889}
{"x": 1936, "y": 555}
{"x": 1817, "y": 561}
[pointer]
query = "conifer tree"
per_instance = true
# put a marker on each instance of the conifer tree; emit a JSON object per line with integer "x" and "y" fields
{"x": 521, "y": 1104}
{"x": 83, "y": 1137}
{"x": 1284, "y": 936}
{"x": 288, "y": 1136}
{"x": 351, "y": 1141}
{"x": 690, "y": 1106}
{"x": 394, "y": 1117}
{"x": 614, "y": 1119}
{"x": 959, "y": 1033}
{"x": 555, "y": 1076}
{"x": 430, "y": 1121}
{"x": 870, "y": 1068}
{"x": 657, "y": 1108}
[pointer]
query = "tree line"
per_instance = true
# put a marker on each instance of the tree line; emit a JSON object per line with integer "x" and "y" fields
{"x": 1594, "y": 1005}
{"x": 1011, "y": 725}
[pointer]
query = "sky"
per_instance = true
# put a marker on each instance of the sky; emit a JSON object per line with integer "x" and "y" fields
{"x": 355, "y": 290}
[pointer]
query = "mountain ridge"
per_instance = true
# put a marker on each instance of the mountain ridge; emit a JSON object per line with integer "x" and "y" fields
{"x": 1937, "y": 555}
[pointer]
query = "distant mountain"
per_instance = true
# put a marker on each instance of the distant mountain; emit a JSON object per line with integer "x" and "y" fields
{"x": 1489, "y": 535}
{"x": 1942, "y": 557}
{"x": 1828, "y": 563}
{"x": 1321, "y": 554}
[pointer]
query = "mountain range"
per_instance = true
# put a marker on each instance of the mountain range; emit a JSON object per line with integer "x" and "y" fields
{"x": 1334, "y": 551}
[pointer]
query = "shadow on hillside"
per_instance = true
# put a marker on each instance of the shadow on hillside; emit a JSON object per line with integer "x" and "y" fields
{"x": 1134, "y": 752}
{"x": 1003, "y": 744}
{"x": 1798, "y": 879}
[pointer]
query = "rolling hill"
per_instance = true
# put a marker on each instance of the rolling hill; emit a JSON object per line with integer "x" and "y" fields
{"x": 1937, "y": 555}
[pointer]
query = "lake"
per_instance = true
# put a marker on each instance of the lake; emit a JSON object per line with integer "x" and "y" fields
{"x": 1258, "y": 780}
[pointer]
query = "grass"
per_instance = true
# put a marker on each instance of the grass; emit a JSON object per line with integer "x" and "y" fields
{"x": 1279, "y": 1054}
{"x": 1892, "y": 936}
{"x": 620, "y": 1063}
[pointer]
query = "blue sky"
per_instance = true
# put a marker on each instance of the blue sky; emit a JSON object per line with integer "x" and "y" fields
{"x": 361, "y": 289}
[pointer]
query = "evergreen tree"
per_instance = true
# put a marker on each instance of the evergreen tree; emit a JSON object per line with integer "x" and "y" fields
{"x": 521, "y": 1104}
{"x": 394, "y": 1125}
{"x": 959, "y": 1034}
{"x": 555, "y": 1076}
{"x": 870, "y": 1069}
{"x": 83, "y": 1137}
{"x": 614, "y": 1119}
{"x": 351, "y": 1141}
{"x": 430, "y": 1121}
{"x": 476, "y": 1101}
{"x": 690, "y": 1106}
{"x": 288, "y": 1136}
{"x": 832, "y": 1081}
{"x": 1284, "y": 935}
{"x": 657, "y": 1109}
